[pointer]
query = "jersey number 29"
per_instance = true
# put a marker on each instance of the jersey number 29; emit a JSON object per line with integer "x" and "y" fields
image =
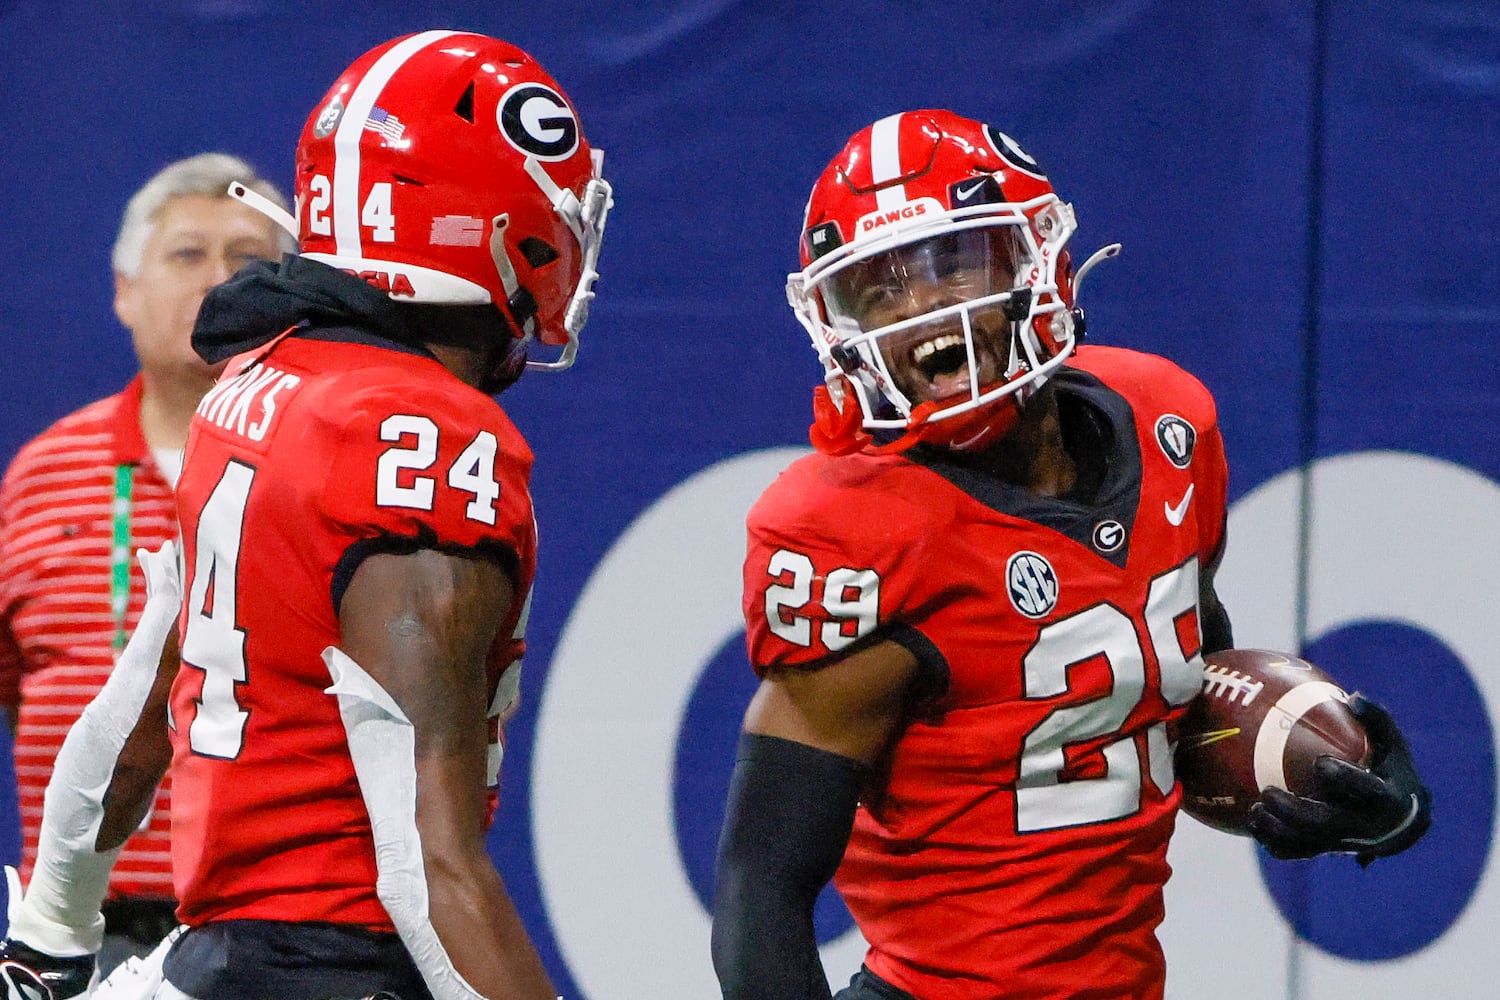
{"x": 1045, "y": 800}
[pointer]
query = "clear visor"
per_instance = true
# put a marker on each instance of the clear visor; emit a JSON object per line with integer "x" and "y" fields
{"x": 923, "y": 277}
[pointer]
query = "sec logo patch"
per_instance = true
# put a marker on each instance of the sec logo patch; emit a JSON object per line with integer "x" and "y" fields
{"x": 1032, "y": 584}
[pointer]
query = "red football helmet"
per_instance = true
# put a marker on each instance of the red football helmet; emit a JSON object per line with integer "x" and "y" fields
{"x": 448, "y": 167}
{"x": 935, "y": 282}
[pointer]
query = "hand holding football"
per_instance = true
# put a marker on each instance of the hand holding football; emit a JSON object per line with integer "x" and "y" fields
{"x": 1262, "y": 720}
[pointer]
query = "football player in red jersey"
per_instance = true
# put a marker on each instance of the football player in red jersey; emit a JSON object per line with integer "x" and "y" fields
{"x": 358, "y": 549}
{"x": 976, "y": 611}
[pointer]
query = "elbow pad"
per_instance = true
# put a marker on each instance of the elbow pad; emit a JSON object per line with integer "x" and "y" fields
{"x": 382, "y": 745}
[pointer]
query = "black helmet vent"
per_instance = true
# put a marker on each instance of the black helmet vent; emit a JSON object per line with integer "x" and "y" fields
{"x": 465, "y": 106}
{"x": 538, "y": 252}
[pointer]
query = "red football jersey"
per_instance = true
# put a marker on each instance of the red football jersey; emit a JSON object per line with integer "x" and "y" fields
{"x": 1018, "y": 845}
{"x": 301, "y": 460}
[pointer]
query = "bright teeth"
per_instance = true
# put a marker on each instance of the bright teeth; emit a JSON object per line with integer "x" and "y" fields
{"x": 926, "y": 350}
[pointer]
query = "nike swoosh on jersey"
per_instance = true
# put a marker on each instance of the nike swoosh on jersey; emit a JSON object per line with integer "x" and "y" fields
{"x": 1175, "y": 515}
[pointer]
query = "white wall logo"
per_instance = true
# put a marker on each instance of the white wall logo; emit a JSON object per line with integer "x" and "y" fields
{"x": 1032, "y": 584}
{"x": 606, "y": 741}
{"x": 535, "y": 119}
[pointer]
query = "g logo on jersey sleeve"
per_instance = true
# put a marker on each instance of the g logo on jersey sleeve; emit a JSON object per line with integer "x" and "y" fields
{"x": 1032, "y": 584}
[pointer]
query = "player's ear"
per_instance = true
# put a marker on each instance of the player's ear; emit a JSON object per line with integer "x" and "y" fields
{"x": 127, "y": 298}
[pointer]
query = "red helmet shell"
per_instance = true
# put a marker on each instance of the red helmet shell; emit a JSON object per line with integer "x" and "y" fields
{"x": 448, "y": 167}
{"x": 925, "y": 154}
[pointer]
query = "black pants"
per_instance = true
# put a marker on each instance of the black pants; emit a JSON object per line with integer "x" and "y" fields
{"x": 133, "y": 927}
{"x": 867, "y": 986}
{"x": 255, "y": 959}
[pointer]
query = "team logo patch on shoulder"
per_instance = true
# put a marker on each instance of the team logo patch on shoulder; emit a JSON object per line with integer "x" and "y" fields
{"x": 1032, "y": 584}
{"x": 1176, "y": 437}
{"x": 1109, "y": 535}
{"x": 535, "y": 119}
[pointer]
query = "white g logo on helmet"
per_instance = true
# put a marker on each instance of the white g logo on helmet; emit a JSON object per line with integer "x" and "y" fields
{"x": 535, "y": 119}
{"x": 1011, "y": 152}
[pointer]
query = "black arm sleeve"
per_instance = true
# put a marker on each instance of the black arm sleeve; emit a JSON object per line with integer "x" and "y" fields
{"x": 788, "y": 818}
{"x": 1213, "y": 619}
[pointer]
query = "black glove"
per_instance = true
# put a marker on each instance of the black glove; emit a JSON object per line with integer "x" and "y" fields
{"x": 1369, "y": 813}
{"x": 30, "y": 975}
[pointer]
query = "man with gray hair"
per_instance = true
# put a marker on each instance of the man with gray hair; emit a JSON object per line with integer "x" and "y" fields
{"x": 98, "y": 484}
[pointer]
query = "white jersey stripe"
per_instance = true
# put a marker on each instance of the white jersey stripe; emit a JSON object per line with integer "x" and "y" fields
{"x": 885, "y": 161}
{"x": 351, "y": 129}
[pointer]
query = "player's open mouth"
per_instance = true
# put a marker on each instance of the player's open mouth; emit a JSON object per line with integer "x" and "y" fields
{"x": 944, "y": 362}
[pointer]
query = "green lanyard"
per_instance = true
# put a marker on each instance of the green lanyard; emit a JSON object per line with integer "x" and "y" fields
{"x": 119, "y": 553}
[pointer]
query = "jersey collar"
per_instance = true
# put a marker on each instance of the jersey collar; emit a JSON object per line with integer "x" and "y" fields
{"x": 127, "y": 439}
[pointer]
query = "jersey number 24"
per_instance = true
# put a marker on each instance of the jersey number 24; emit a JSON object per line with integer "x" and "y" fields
{"x": 214, "y": 641}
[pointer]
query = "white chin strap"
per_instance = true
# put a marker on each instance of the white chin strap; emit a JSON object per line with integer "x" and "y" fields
{"x": 265, "y": 206}
{"x": 1102, "y": 254}
{"x": 506, "y": 269}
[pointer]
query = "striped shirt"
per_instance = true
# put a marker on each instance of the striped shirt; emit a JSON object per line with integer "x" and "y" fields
{"x": 56, "y": 623}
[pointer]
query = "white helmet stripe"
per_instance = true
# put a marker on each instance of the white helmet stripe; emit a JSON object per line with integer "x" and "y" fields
{"x": 885, "y": 161}
{"x": 351, "y": 128}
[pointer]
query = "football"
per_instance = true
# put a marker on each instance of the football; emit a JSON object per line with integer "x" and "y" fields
{"x": 1262, "y": 720}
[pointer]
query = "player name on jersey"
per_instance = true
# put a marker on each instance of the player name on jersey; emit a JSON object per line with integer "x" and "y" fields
{"x": 246, "y": 403}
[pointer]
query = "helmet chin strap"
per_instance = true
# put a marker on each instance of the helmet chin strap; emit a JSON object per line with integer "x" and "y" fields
{"x": 265, "y": 206}
{"x": 509, "y": 281}
{"x": 564, "y": 202}
{"x": 1103, "y": 253}
{"x": 1015, "y": 364}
